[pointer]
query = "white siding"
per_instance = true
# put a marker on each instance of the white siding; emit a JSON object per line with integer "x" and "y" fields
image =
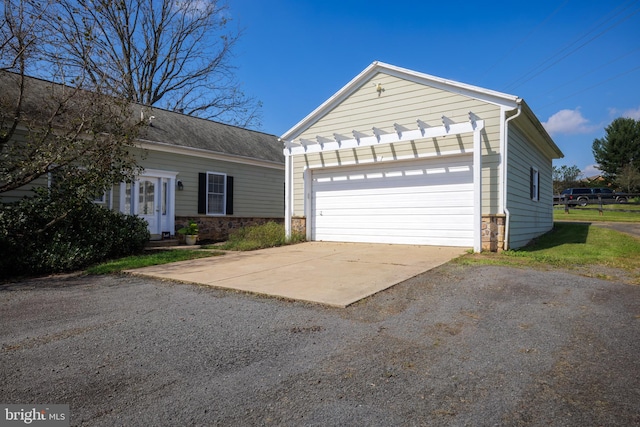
{"x": 529, "y": 218}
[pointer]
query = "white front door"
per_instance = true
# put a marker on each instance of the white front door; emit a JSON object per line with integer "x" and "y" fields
{"x": 152, "y": 197}
{"x": 149, "y": 203}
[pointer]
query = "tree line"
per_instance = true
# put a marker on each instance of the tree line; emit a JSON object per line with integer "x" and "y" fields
{"x": 618, "y": 156}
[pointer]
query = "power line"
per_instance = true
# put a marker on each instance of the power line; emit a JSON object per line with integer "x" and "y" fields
{"x": 524, "y": 39}
{"x": 541, "y": 68}
{"x": 590, "y": 72}
{"x": 591, "y": 87}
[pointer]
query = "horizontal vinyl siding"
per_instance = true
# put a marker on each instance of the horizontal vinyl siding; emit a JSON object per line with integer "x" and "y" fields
{"x": 24, "y": 191}
{"x": 528, "y": 218}
{"x": 403, "y": 102}
{"x": 258, "y": 191}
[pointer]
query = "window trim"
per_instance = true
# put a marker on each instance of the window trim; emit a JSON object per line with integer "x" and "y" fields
{"x": 223, "y": 212}
{"x": 534, "y": 189}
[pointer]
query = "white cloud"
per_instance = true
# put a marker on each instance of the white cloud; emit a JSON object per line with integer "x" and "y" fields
{"x": 568, "y": 122}
{"x": 632, "y": 114}
{"x": 591, "y": 170}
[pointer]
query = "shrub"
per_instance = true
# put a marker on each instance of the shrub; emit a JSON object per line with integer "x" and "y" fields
{"x": 40, "y": 235}
{"x": 254, "y": 237}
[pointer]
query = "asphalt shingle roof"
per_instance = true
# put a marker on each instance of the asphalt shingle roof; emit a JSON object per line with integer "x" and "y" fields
{"x": 186, "y": 131}
{"x": 173, "y": 128}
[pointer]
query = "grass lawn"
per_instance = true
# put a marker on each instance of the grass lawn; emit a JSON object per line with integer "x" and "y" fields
{"x": 592, "y": 250}
{"x": 614, "y": 213}
{"x": 149, "y": 258}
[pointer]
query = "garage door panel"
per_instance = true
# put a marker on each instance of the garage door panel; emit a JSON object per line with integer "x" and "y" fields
{"x": 406, "y": 240}
{"x": 452, "y": 222}
{"x": 442, "y": 182}
{"x": 420, "y": 202}
{"x": 427, "y": 202}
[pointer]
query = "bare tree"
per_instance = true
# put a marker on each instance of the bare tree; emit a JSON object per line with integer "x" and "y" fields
{"x": 175, "y": 54}
{"x": 76, "y": 131}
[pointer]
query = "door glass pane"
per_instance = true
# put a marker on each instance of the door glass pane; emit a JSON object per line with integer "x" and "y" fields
{"x": 127, "y": 198}
{"x": 146, "y": 198}
{"x": 165, "y": 189}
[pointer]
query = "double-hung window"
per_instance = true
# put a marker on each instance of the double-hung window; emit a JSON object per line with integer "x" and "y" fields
{"x": 216, "y": 193}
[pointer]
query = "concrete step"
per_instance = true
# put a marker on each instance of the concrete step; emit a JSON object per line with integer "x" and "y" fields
{"x": 162, "y": 243}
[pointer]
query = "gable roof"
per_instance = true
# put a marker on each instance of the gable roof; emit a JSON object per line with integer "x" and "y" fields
{"x": 507, "y": 101}
{"x": 169, "y": 128}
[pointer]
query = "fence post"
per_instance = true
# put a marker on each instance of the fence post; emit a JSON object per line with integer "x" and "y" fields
{"x": 565, "y": 200}
{"x": 600, "y": 204}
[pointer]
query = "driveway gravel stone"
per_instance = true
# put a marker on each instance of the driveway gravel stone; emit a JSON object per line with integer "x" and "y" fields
{"x": 458, "y": 345}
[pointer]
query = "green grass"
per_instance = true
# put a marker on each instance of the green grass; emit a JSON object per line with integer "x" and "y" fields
{"x": 245, "y": 239}
{"x": 148, "y": 259}
{"x": 256, "y": 237}
{"x": 592, "y": 249}
{"x": 614, "y": 213}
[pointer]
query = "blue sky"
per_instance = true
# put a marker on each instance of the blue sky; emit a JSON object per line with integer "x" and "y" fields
{"x": 575, "y": 62}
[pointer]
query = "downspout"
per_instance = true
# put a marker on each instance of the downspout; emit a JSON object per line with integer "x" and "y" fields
{"x": 288, "y": 205}
{"x": 507, "y": 221}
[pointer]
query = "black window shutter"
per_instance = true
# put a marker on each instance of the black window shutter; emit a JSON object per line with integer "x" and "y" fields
{"x": 531, "y": 188}
{"x": 202, "y": 193}
{"x": 229, "y": 195}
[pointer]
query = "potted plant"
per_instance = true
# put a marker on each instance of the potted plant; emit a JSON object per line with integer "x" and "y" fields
{"x": 190, "y": 233}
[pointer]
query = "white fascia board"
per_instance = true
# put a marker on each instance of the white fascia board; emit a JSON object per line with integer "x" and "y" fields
{"x": 487, "y": 95}
{"x": 199, "y": 152}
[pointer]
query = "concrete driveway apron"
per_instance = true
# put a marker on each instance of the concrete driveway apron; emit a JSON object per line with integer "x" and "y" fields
{"x": 336, "y": 274}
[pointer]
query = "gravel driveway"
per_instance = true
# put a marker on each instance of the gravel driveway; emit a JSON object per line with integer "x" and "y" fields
{"x": 459, "y": 345}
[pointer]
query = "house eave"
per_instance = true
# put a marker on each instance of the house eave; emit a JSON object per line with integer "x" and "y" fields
{"x": 199, "y": 152}
{"x": 544, "y": 140}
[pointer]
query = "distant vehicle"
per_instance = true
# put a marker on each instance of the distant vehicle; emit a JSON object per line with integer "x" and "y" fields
{"x": 584, "y": 196}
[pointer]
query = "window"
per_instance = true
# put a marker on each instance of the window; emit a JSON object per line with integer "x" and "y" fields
{"x": 215, "y": 193}
{"x": 216, "y": 185}
{"x": 534, "y": 184}
{"x": 101, "y": 199}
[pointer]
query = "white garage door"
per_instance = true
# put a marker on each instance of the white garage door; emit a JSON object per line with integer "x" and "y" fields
{"x": 426, "y": 202}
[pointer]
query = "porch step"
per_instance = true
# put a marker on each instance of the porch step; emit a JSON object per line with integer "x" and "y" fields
{"x": 161, "y": 243}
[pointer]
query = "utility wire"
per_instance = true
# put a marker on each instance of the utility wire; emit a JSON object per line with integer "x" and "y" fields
{"x": 573, "y": 80}
{"x": 537, "y": 70}
{"x": 591, "y": 87}
{"x": 522, "y": 40}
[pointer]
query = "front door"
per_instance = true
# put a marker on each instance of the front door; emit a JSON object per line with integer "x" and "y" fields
{"x": 152, "y": 197}
{"x": 149, "y": 203}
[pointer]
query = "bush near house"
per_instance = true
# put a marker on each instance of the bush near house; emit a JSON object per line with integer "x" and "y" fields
{"x": 41, "y": 235}
{"x": 262, "y": 236}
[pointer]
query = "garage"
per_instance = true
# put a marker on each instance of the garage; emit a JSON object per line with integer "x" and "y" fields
{"x": 403, "y": 157}
{"x": 423, "y": 202}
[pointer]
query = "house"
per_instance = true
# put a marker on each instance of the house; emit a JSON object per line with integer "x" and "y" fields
{"x": 399, "y": 156}
{"x": 221, "y": 176}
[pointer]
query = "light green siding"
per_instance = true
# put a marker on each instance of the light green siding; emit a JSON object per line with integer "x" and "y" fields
{"x": 258, "y": 191}
{"x": 529, "y": 218}
{"x": 403, "y": 102}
